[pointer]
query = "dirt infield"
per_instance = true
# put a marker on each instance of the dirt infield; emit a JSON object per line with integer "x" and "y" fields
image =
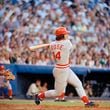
{"x": 22, "y": 105}
{"x": 45, "y": 107}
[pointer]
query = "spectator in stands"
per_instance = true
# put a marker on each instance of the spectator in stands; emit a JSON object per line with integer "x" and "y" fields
{"x": 41, "y": 60}
{"x": 33, "y": 89}
{"x": 23, "y": 24}
{"x": 108, "y": 62}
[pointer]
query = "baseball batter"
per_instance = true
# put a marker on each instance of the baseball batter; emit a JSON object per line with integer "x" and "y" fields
{"x": 61, "y": 50}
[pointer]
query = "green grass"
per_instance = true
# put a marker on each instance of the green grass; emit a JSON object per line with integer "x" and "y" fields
{"x": 102, "y": 103}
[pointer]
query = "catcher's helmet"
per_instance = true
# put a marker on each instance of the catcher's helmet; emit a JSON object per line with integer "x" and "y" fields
{"x": 61, "y": 31}
{"x": 2, "y": 67}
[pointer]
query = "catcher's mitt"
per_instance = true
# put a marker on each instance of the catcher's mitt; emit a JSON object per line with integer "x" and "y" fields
{"x": 8, "y": 75}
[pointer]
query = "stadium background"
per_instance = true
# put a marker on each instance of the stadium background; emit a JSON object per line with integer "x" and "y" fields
{"x": 27, "y": 74}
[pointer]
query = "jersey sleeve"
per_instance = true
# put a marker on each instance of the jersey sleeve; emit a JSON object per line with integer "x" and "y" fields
{"x": 71, "y": 46}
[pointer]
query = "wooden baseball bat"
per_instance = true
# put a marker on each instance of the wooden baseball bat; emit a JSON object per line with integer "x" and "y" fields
{"x": 38, "y": 46}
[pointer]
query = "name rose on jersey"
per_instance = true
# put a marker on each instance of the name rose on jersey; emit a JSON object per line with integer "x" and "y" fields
{"x": 57, "y": 46}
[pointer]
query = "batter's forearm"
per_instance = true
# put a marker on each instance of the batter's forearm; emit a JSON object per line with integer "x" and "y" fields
{"x": 39, "y": 46}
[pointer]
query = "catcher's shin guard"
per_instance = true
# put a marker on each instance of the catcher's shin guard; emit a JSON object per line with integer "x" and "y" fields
{"x": 10, "y": 93}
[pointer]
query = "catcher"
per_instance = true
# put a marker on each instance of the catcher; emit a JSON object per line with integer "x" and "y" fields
{"x": 7, "y": 76}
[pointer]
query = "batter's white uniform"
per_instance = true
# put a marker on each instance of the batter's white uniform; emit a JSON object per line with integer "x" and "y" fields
{"x": 62, "y": 73}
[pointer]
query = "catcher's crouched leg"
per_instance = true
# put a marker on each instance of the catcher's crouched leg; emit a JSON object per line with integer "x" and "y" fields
{"x": 1, "y": 92}
{"x": 10, "y": 93}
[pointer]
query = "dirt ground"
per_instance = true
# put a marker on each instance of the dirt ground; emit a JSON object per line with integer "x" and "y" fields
{"x": 46, "y": 107}
{"x": 18, "y": 104}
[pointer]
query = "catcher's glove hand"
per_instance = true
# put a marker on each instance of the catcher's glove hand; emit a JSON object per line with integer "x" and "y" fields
{"x": 8, "y": 75}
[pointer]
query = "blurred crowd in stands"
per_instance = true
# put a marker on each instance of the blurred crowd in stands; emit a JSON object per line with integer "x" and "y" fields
{"x": 24, "y": 23}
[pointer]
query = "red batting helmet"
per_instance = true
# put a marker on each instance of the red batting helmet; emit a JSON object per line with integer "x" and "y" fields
{"x": 2, "y": 67}
{"x": 61, "y": 31}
